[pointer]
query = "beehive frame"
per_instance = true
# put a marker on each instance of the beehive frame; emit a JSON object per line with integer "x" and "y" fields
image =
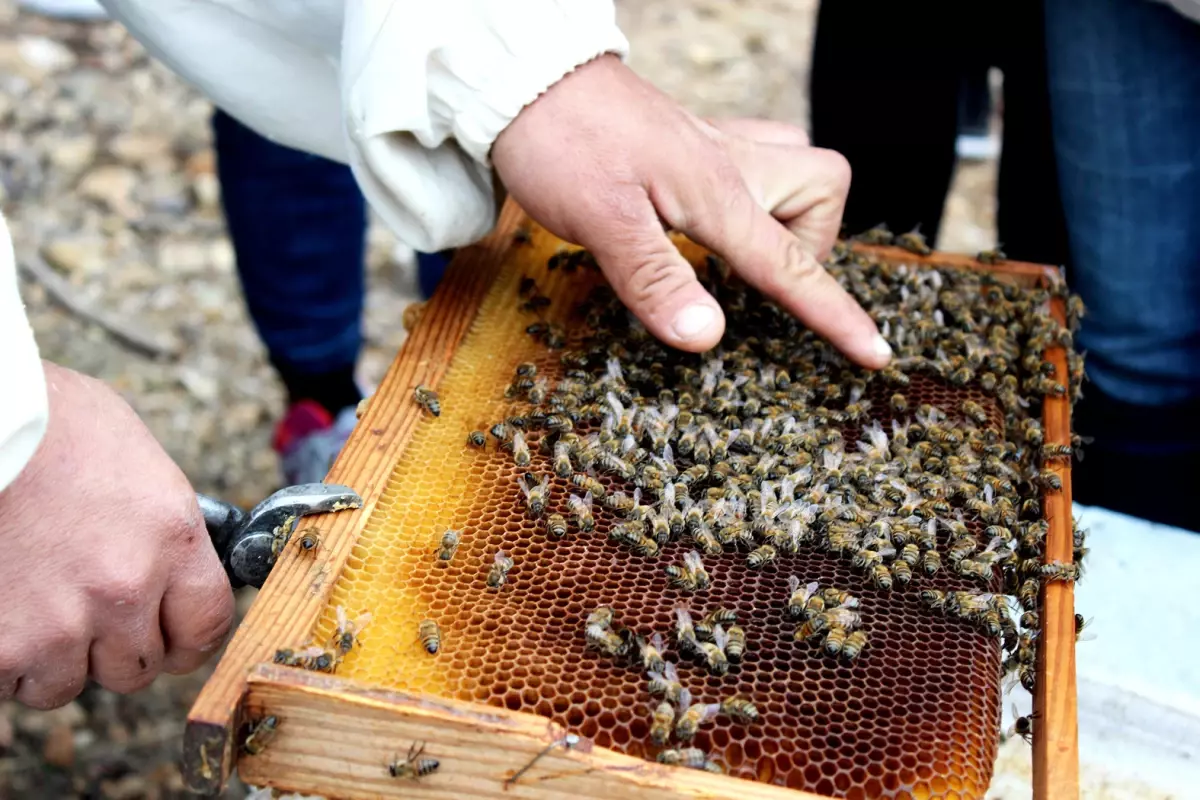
{"x": 481, "y": 745}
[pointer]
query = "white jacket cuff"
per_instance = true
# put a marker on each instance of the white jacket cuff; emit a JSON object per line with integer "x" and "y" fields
{"x": 447, "y": 78}
{"x": 23, "y": 407}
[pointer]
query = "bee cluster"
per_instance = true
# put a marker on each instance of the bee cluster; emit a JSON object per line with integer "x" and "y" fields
{"x": 773, "y": 557}
{"x": 773, "y": 443}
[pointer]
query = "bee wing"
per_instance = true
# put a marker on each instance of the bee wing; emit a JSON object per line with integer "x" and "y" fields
{"x": 683, "y": 616}
{"x": 524, "y": 487}
{"x": 518, "y": 440}
{"x": 363, "y": 621}
{"x": 342, "y": 621}
{"x": 500, "y": 557}
{"x": 544, "y": 482}
{"x": 793, "y": 584}
{"x": 685, "y": 699}
{"x": 711, "y": 710}
{"x": 692, "y": 560}
{"x": 810, "y": 589}
{"x": 720, "y": 638}
{"x": 671, "y": 673}
{"x": 311, "y": 652}
{"x": 656, "y": 641}
{"x": 637, "y": 497}
{"x": 588, "y": 500}
{"x": 669, "y": 495}
{"x": 669, "y": 455}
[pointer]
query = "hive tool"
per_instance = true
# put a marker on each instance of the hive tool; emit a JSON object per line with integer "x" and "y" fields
{"x": 249, "y": 543}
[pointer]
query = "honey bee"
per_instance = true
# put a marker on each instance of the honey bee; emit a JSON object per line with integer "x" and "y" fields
{"x": 556, "y": 526}
{"x": 854, "y": 644}
{"x": 601, "y": 616}
{"x": 704, "y": 539}
{"x": 899, "y": 403}
{"x": 1028, "y": 593}
{"x": 835, "y": 638}
{"x": 262, "y": 732}
{"x": 562, "y": 460}
{"x": 691, "y": 575}
{"x": 735, "y": 645}
{"x": 914, "y": 242}
{"x": 662, "y": 723}
{"x": 1049, "y": 481}
{"x": 346, "y": 635}
{"x": 693, "y": 716}
{"x": 685, "y": 632}
{"x": 651, "y": 652}
{"x": 895, "y": 377}
{"x": 527, "y": 370}
{"x": 310, "y": 539}
{"x": 881, "y": 577}
{"x": 713, "y": 652}
{"x": 477, "y": 439}
{"x": 448, "y": 545}
{"x": 1022, "y": 726}
{"x": 804, "y": 600}
{"x": 974, "y": 412}
{"x": 879, "y": 235}
{"x": 427, "y": 399}
{"x": 415, "y": 765}
{"x": 691, "y": 757}
{"x": 581, "y": 509}
{"x": 536, "y": 495}
{"x": 901, "y": 572}
{"x": 931, "y": 562}
{"x": 838, "y": 598}
{"x": 994, "y": 256}
{"x": 520, "y": 449}
{"x": 1050, "y": 452}
{"x": 936, "y": 600}
{"x": 666, "y": 683}
{"x": 498, "y": 571}
{"x": 739, "y": 708}
{"x": 588, "y": 484}
{"x": 430, "y": 635}
{"x": 760, "y": 557}
{"x": 1060, "y": 571}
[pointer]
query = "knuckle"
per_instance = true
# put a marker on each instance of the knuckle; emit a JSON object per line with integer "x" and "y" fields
{"x": 653, "y": 280}
{"x": 207, "y": 626}
{"x": 797, "y": 267}
{"x": 838, "y": 170}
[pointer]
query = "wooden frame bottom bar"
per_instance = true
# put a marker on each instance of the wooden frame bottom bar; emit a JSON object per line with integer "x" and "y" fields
{"x": 336, "y": 738}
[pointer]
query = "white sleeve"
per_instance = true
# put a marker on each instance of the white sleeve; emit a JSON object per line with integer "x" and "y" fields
{"x": 411, "y": 93}
{"x": 23, "y": 407}
{"x": 427, "y": 88}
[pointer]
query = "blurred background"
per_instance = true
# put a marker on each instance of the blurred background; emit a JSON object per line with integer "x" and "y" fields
{"x": 108, "y": 183}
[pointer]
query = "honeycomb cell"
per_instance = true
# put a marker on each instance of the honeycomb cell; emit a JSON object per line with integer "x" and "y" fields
{"x": 926, "y": 682}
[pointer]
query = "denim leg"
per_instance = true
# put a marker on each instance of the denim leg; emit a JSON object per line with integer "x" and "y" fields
{"x": 1124, "y": 79}
{"x": 298, "y": 224}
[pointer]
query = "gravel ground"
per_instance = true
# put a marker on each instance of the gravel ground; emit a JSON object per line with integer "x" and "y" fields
{"x": 106, "y": 179}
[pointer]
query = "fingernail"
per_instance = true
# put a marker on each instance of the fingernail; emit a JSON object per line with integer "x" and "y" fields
{"x": 693, "y": 321}
{"x": 882, "y": 348}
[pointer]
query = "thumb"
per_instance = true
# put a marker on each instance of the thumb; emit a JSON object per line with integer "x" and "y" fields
{"x": 653, "y": 280}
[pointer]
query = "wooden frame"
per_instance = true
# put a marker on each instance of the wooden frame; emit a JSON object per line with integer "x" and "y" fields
{"x": 482, "y": 746}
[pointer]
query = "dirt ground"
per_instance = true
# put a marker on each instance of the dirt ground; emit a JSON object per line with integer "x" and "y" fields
{"x": 106, "y": 179}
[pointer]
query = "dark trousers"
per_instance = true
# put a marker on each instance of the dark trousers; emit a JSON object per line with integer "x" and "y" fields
{"x": 886, "y": 79}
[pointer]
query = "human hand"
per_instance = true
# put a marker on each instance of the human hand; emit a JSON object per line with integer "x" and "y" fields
{"x": 603, "y": 158}
{"x": 107, "y": 567}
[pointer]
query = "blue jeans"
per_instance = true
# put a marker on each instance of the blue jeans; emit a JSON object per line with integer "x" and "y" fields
{"x": 298, "y": 227}
{"x": 297, "y": 223}
{"x": 1124, "y": 80}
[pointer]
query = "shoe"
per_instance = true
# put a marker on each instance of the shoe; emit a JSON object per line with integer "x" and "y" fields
{"x": 309, "y": 438}
{"x": 81, "y": 10}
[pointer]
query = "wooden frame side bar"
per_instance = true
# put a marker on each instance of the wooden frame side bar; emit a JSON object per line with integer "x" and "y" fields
{"x": 1056, "y": 715}
{"x": 335, "y": 738}
{"x": 299, "y": 585}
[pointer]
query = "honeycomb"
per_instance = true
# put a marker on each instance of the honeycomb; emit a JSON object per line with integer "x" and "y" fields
{"x": 916, "y": 715}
